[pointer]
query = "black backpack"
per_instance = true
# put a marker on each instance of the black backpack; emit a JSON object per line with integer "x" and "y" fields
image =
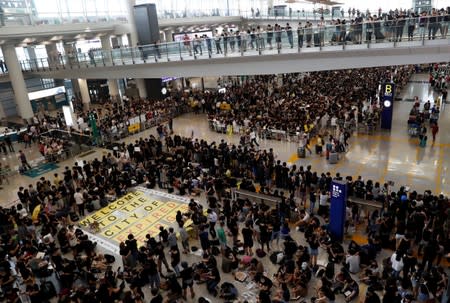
{"x": 47, "y": 290}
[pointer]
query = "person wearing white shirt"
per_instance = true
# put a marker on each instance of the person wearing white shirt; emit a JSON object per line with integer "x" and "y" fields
{"x": 253, "y": 138}
{"x": 212, "y": 216}
{"x": 397, "y": 263}
{"x": 79, "y": 201}
{"x": 353, "y": 262}
{"x": 303, "y": 219}
{"x": 323, "y": 204}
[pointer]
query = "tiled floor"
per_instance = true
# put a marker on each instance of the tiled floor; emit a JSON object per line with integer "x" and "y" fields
{"x": 383, "y": 156}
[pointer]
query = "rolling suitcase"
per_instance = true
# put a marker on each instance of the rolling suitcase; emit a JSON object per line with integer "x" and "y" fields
{"x": 301, "y": 153}
{"x": 333, "y": 158}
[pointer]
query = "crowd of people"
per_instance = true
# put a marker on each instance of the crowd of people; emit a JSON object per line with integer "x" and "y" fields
{"x": 40, "y": 243}
{"x": 390, "y": 26}
{"x": 305, "y": 102}
{"x": 40, "y": 231}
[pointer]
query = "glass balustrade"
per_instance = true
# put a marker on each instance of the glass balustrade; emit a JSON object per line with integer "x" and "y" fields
{"x": 307, "y": 39}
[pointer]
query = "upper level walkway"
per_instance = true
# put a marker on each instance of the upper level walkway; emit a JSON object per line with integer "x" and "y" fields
{"x": 313, "y": 50}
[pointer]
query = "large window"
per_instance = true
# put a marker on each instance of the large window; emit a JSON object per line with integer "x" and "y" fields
{"x": 77, "y": 9}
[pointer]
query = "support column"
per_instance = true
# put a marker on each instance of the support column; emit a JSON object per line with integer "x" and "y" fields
{"x": 18, "y": 82}
{"x": 132, "y": 22}
{"x": 32, "y": 57}
{"x": 106, "y": 47}
{"x": 84, "y": 91}
{"x": 140, "y": 84}
{"x": 168, "y": 34}
{"x": 113, "y": 88}
{"x": 52, "y": 55}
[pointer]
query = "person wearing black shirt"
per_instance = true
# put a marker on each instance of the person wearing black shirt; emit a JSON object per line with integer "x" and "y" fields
{"x": 131, "y": 243}
{"x": 187, "y": 279}
{"x": 157, "y": 298}
{"x": 159, "y": 252}
{"x": 213, "y": 281}
{"x": 175, "y": 259}
{"x": 247, "y": 234}
{"x": 163, "y": 235}
{"x": 276, "y": 226}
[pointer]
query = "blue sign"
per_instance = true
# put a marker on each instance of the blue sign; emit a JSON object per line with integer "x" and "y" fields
{"x": 338, "y": 209}
{"x": 387, "y": 104}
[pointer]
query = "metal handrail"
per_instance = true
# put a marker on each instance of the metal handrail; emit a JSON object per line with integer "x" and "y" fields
{"x": 315, "y": 37}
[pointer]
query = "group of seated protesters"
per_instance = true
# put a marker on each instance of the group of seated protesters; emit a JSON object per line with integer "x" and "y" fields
{"x": 296, "y": 104}
{"x": 291, "y": 232}
{"x": 53, "y": 149}
{"x": 301, "y": 100}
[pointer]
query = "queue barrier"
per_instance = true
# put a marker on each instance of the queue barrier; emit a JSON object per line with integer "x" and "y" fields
{"x": 254, "y": 197}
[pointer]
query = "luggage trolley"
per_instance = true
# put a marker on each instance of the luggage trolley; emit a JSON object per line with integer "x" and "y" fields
{"x": 413, "y": 129}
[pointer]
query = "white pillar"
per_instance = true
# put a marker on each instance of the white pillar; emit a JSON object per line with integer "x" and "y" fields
{"x": 84, "y": 91}
{"x": 32, "y": 57}
{"x": 52, "y": 54}
{"x": 132, "y": 22}
{"x": 106, "y": 47}
{"x": 106, "y": 42}
{"x": 168, "y": 34}
{"x": 113, "y": 88}
{"x": 17, "y": 81}
{"x": 140, "y": 84}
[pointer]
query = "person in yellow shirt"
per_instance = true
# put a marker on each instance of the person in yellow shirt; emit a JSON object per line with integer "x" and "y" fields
{"x": 56, "y": 180}
{"x": 319, "y": 145}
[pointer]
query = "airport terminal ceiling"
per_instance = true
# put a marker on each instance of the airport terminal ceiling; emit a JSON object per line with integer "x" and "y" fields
{"x": 66, "y": 8}
{"x": 247, "y": 5}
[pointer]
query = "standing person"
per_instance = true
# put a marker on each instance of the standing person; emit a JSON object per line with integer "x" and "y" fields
{"x": 79, "y": 201}
{"x": 175, "y": 259}
{"x": 304, "y": 143}
{"x": 222, "y": 237}
{"x": 434, "y": 131}
{"x": 187, "y": 43}
{"x": 23, "y": 160}
{"x": 217, "y": 39}
{"x": 253, "y": 138}
{"x": 300, "y": 35}
{"x": 412, "y": 20}
{"x": 314, "y": 244}
{"x": 239, "y": 41}
{"x": 184, "y": 237}
{"x": 231, "y": 40}
{"x": 9, "y": 143}
{"x": 208, "y": 44}
{"x": 187, "y": 279}
{"x": 269, "y": 35}
{"x": 2, "y": 66}
{"x": 225, "y": 43}
{"x": 131, "y": 243}
{"x": 197, "y": 45}
{"x": 27, "y": 140}
{"x": 278, "y": 36}
{"x": 290, "y": 35}
{"x": 247, "y": 234}
{"x": 204, "y": 239}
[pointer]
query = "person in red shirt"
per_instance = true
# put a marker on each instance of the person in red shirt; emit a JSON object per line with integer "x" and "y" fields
{"x": 434, "y": 130}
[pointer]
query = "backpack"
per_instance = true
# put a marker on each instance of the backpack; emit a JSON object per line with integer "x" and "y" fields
{"x": 274, "y": 257}
{"x": 260, "y": 253}
{"x": 215, "y": 250}
{"x": 47, "y": 290}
